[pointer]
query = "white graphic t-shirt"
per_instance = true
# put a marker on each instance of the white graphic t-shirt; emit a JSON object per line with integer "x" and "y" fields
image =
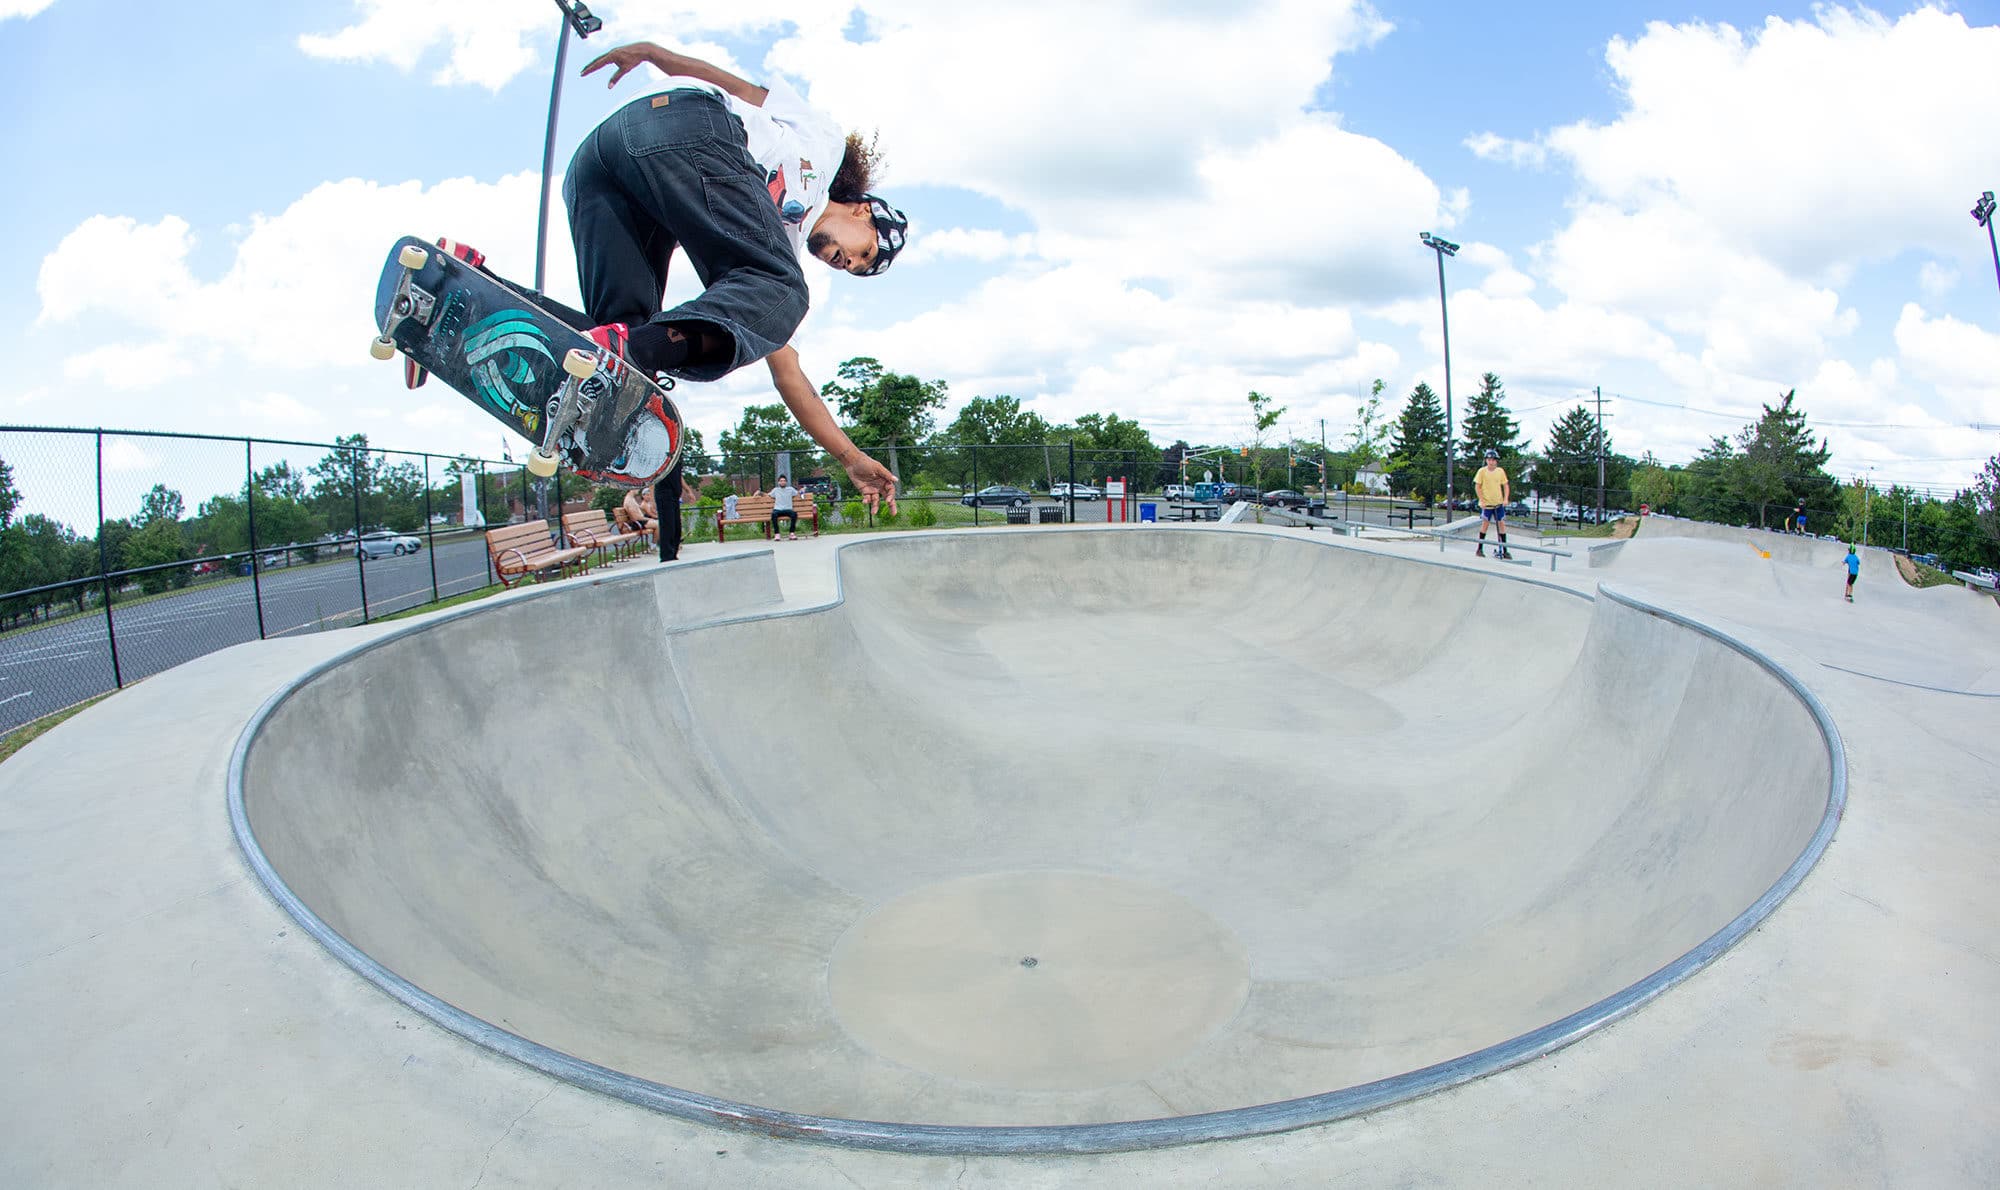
{"x": 798, "y": 146}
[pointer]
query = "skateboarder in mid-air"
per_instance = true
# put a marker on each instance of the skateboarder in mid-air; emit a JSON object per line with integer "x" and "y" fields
{"x": 745, "y": 180}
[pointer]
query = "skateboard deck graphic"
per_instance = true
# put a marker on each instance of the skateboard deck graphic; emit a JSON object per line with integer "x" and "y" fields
{"x": 582, "y": 406}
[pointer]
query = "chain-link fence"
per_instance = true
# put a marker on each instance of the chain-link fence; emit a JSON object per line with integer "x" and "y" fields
{"x": 126, "y": 553}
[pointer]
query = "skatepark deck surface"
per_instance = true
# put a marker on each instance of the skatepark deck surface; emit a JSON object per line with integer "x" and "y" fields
{"x": 798, "y": 836}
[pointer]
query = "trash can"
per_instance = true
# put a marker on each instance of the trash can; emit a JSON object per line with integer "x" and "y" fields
{"x": 1048, "y": 514}
{"x": 1148, "y": 511}
{"x": 1017, "y": 516}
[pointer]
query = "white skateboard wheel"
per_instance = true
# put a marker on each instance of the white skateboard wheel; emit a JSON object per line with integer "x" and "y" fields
{"x": 541, "y": 464}
{"x": 412, "y": 257}
{"x": 382, "y": 348}
{"x": 580, "y": 363}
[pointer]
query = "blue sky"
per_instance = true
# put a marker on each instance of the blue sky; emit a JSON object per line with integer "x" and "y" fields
{"x": 1143, "y": 208}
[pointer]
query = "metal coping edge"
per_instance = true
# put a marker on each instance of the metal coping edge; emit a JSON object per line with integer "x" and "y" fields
{"x": 1122, "y": 1136}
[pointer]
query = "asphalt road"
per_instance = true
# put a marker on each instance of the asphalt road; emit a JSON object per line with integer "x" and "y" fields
{"x": 47, "y": 669}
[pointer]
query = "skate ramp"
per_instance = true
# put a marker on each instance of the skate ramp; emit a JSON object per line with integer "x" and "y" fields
{"x": 1942, "y": 638}
{"x": 1038, "y": 829}
{"x": 1784, "y": 547}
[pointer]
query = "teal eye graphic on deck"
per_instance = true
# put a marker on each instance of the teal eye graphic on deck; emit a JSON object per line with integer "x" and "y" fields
{"x": 500, "y": 352}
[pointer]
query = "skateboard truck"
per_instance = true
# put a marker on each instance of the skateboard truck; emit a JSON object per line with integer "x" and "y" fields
{"x": 409, "y": 302}
{"x": 567, "y": 408}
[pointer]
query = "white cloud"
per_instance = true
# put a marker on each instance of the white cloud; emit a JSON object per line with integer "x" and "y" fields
{"x": 1936, "y": 280}
{"x": 128, "y": 366}
{"x": 1812, "y": 142}
{"x": 1960, "y": 360}
{"x": 965, "y": 243}
{"x": 296, "y": 293}
{"x": 488, "y": 41}
{"x": 1488, "y": 146}
{"x": 23, "y": 8}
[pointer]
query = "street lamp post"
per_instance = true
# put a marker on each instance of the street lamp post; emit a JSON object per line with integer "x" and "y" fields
{"x": 574, "y": 16}
{"x": 1982, "y": 213}
{"x": 1444, "y": 248}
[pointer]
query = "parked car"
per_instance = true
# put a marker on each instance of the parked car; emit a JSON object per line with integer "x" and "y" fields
{"x": 1519, "y": 508}
{"x": 998, "y": 493}
{"x": 820, "y": 487}
{"x": 1179, "y": 491}
{"x": 384, "y": 543}
{"x": 1286, "y": 498}
{"x": 1245, "y": 493}
{"x": 1082, "y": 491}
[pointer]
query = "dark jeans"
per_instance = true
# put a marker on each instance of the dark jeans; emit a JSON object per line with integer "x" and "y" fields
{"x": 667, "y": 498}
{"x": 672, "y": 169}
{"x": 784, "y": 512}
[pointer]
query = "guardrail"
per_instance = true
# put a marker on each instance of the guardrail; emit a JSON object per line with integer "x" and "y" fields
{"x": 1445, "y": 537}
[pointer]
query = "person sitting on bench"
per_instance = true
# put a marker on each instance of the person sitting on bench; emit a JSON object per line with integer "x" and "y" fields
{"x": 781, "y": 506}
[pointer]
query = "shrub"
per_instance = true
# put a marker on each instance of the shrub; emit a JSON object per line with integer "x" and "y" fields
{"x": 853, "y": 513}
{"x": 887, "y": 516}
{"x": 922, "y": 515}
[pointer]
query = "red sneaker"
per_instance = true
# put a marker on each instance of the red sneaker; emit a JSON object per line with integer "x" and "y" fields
{"x": 612, "y": 336}
{"x": 414, "y": 374}
{"x": 465, "y": 252}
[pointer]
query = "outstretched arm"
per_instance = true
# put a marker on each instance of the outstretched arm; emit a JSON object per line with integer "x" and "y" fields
{"x": 875, "y": 482}
{"x": 626, "y": 58}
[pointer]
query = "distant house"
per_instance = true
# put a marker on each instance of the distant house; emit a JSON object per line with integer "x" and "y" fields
{"x": 1374, "y": 477}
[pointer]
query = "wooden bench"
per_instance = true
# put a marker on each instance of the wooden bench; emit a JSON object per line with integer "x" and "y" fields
{"x": 646, "y": 532}
{"x": 527, "y": 548}
{"x": 756, "y": 510}
{"x": 592, "y": 530}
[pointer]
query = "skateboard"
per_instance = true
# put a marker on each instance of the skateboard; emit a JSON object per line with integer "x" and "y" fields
{"x": 580, "y": 404}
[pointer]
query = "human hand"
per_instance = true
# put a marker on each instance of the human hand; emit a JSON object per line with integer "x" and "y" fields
{"x": 627, "y": 58}
{"x": 873, "y": 481}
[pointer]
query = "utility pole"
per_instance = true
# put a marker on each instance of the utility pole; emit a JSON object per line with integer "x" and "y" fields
{"x": 1867, "y": 492}
{"x": 1600, "y": 454}
{"x": 1322, "y": 458}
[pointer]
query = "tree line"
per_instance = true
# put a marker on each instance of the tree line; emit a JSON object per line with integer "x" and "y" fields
{"x": 1756, "y": 476}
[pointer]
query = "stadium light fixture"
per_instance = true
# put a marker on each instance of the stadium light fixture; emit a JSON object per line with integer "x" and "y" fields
{"x": 1444, "y": 248}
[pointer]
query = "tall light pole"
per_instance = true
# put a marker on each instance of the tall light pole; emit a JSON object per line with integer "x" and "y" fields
{"x": 1982, "y": 213}
{"x": 1444, "y": 248}
{"x": 574, "y": 16}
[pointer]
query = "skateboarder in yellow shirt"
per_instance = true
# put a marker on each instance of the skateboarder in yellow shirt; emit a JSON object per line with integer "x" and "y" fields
{"x": 1490, "y": 482}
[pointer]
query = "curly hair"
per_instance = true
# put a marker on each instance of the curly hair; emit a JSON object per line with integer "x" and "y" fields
{"x": 858, "y": 172}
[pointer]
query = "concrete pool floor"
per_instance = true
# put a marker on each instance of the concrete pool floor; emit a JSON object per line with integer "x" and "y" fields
{"x": 171, "y": 1025}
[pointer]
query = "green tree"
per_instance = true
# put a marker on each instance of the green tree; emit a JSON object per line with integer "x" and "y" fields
{"x": 160, "y": 503}
{"x": 1654, "y": 484}
{"x": 1986, "y": 498}
{"x": 157, "y": 543}
{"x": 1567, "y": 466}
{"x": 884, "y": 410}
{"x": 1416, "y": 444}
{"x": 751, "y": 448}
{"x": 1108, "y": 444}
{"x": 1487, "y": 424}
{"x": 1368, "y": 438}
{"x": 1262, "y": 417}
{"x": 993, "y": 422}
{"x": 10, "y": 496}
{"x": 1781, "y": 462}
{"x": 36, "y": 552}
